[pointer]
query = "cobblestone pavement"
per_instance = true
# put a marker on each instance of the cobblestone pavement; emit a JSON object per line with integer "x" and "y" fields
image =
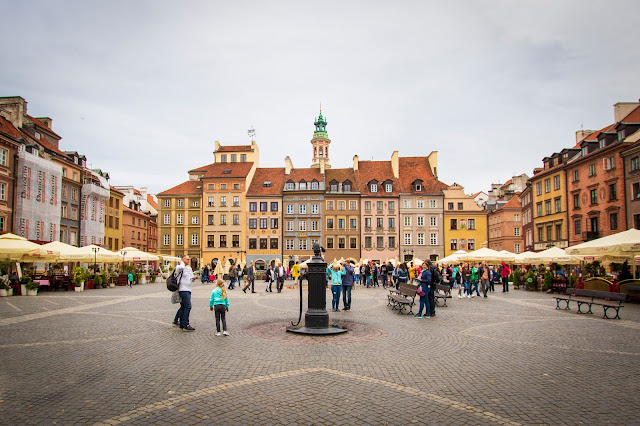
{"x": 112, "y": 356}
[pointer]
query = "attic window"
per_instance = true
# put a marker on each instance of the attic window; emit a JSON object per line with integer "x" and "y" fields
{"x": 227, "y": 171}
{"x": 37, "y": 135}
{"x": 267, "y": 183}
{"x": 418, "y": 187}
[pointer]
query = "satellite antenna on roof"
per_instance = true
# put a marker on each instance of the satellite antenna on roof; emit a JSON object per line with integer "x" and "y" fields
{"x": 252, "y": 133}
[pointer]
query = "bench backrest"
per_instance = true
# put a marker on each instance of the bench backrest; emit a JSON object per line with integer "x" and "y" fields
{"x": 621, "y": 297}
{"x": 407, "y": 289}
{"x": 443, "y": 288}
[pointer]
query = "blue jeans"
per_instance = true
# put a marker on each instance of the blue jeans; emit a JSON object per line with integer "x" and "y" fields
{"x": 424, "y": 301}
{"x": 474, "y": 287}
{"x": 232, "y": 282}
{"x": 185, "y": 308}
{"x": 368, "y": 280}
{"x": 335, "y": 289}
{"x": 346, "y": 296}
{"x": 467, "y": 287}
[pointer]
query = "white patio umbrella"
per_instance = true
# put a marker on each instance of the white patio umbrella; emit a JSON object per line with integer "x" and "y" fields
{"x": 452, "y": 258}
{"x": 132, "y": 254}
{"x": 487, "y": 255}
{"x": 102, "y": 255}
{"x": 620, "y": 244}
{"x": 14, "y": 247}
{"x": 553, "y": 254}
{"x": 525, "y": 258}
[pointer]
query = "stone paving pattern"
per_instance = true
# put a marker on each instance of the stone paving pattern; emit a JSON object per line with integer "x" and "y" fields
{"x": 111, "y": 356}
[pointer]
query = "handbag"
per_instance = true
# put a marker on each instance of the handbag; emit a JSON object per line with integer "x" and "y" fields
{"x": 173, "y": 283}
{"x": 175, "y": 297}
{"x": 419, "y": 291}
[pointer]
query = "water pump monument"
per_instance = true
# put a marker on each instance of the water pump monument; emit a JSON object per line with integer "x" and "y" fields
{"x": 316, "y": 319}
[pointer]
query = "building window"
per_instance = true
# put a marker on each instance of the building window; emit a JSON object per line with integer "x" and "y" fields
{"x": 407, "y": 221}
{"x": 329, "y": 243}
{"x": 290, "y": 186}
{"x": 302, "y": 225}
{"x": 420, "y": 204}
{"x": 210, "y": 202}
{"x": 314, "y": 225}
{"x": 314, "y": 209}
{"x": 274, "y": 206}
{"x": 236, "y": 219}
{"x": 613, "y": 192}
{"x": 576, "y": 176}
{"x": 302, "y": 208}
{"x": 516, "y": 248}
{"x": 289, "y": 225}
{"x": 263, "y": 223}
{"x": 547, "y": 207}
{"x": 594, "y": 196}
{"x": 557, "y": 204}
{"x": 194, "y": 239}
{"x": 167, "y": 203}
{"x": 453, "y": 224}
{"x": 539, "y": 188}
{"x": 253, "y": 224}
{"x": 379, "y": 206}
{"x": 341, "y": 205}
{"x": 263, "y": 206}
{"x": 234, "y": 158}
{"x": 635, "y": 163}
{"x": 194, "y": 204}
{"x": 576, "y": 201}
{"x": 3, "y": 157}
{"x": 420, "y": 221}
{"x": 449, "y": 206}
{"x": 329, "y": 223}
{"x": 223, "y": 201}
{"x": 516, "y": 232}
{"x": 235, "y": 241}
{"x": 539, "y": 209}
{"x": 420, "y": 238}
{"x": 211, "y": 186}
{"x": 471, "y": 223}
{"x": 353, "y": 243}
{"x": 74, "y": 195}
{"x": 374, "y": 187}
{"x": 609, "y": 163}
{"x": 179, "y": 239}
{"x": 592, "y": 170}
{"x": 367, "y": 222}
{"x": 407, "y": 204}
{"x": 223, "y": 219}
{"x": 289, "y": 244}
{"x": 367, "y": 241}
{"x": 289, "y": 208}
{"x": 274, "y": 223}
{"x": 236, "y": 202}
{"x": 314, "y": 185}
{"x": 636, "y": 191}
{"x": 253, "y": 244}
{"x": 380, "y": 242}
{"x": 329, "y": 205}
{"x": 167, "y": 239}
{"x": 547, "y": 185}
{"x": 388, "y": 187}
{"x": 353, "y": 205}
{"x": 179, "y": 219}
{"x": 471, "y": 244}
{"x": 613, "y": 221}
{"x": 433, "y": 204}
{"x": 273, "y": 243}
{"x": 223, "y": 241}
{"x": 577, "y": 227}
{"x": 407, "y": 239}
{"x": 253, "y": 206}
{"x": 303, "y": 244}
{"x": 194, "y": 220}
{"x": 341, "y": 223}
{"x": 243, "y": 158}
{"x": 433, "y": 239}
{"x": 558, "y": 232}
{"x": 460, "y": 206}
{"x": 453, "y": 244}
{"x": 210, "y": 219}
{"x": 556, "y": 182}
{"x": 433, "y": 221}
{"x": 181, "y": 203}
{"x": 367, "y": 205}
{"x": 379, "y": 222}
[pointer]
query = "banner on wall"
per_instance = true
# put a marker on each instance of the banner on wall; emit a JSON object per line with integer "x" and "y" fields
{"x": 37, "y": 198}
{"x": 92, "y": 211}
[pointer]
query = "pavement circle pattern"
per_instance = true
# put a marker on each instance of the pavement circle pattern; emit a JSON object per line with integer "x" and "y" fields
{"x": 112, "y": 356}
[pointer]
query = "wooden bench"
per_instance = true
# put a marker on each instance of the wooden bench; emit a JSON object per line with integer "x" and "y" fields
{"x": 589, "y": 298}
{"x": 442, "y": 292}
{"x": 403, "y": 297}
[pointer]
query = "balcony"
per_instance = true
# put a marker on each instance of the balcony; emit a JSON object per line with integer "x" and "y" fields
{"x": 590, "y": 235}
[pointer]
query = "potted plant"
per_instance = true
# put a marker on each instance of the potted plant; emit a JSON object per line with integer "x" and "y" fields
{"x": 32, "y": 288}
{"x": 78, "y": 278}
{"x": 139, "y": 278}
{"x": 548, "y": 281}
{"x": 5, "y": 289}
{"x": 97, "y": 281}
{"x": 23, "y": 285}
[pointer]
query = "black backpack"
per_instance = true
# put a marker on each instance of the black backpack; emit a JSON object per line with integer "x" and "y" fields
{"x": 436, "y": 278}
{"x": 173, "y": 283}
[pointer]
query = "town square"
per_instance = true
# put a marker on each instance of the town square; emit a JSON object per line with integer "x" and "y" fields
{"x": 300, "y": 213}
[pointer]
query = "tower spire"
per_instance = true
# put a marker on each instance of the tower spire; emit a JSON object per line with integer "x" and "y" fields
{"x": 320, "y": 143}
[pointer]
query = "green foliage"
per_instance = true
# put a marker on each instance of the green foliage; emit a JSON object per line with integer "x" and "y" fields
{"x": 32, "y": 286}
{"x": 139, "y": 276}
{"x": 548, "y": 280}
{"x": 593, "y": 269}
{"x": 625, "y": 274}
{"x": 4, "y": 285}
{"x": 5, "y": 267}
{"x": 25, "y": 280}
{"x": 572, "y": 281}
{"x": 78, "y": 275}
{"x": 97, "y": 280}
{"x": 517, "y": 277}
{"x": 530, "y": 279}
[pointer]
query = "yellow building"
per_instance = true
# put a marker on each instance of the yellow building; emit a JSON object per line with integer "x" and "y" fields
{"x": 113, "y": 219}
{"x": 549, "y": 204}
{"x": 179, "y": 221}
{"x": 465, "y": 223}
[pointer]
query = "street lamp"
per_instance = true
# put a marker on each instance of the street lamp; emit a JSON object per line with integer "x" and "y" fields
{"x": 95, "y": 256}
{"x": 123, "y": 254}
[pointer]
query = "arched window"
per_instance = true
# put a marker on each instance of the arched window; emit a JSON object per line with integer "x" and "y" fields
{"x": 320, "y": 151}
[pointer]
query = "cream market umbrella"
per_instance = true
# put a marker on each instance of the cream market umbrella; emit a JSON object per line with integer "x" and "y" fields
{"x": 170, "y": 258}
{"x": 452, "y": 258}
{"x": 132, "y": 254}
{"x": 14, "y": 247}
{"x": 486, "y": 254}
{"x": 525, "y": 258}
{"x": 620, "y": 244}
{"x": 66, "y": 253}
{"x": 553, "y": 254}
{"x": 102, "y": 255}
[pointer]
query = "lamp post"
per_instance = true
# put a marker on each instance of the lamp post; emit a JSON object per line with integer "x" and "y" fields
{"x": 123, "y": 255}
{"x": 95, "y": 256}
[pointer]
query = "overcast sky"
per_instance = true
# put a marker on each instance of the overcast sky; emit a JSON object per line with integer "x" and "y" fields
{"x": 144, "y": 88}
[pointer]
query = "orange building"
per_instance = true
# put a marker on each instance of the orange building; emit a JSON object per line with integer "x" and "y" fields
{"x": 134, "y": 227}
{"x": 505, "y": 226}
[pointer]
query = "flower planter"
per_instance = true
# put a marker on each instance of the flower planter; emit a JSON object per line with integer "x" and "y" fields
{"x": 23, "y": 289}
{"x": 32, "y": 292}
{"x": 112, "y": 285}
{"x": 80, "y": 287}
{"x": 4, "y": 293}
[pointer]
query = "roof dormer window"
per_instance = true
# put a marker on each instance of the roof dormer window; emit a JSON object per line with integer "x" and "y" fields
{"x": 346, "y": 186}
{"x": 303, "y": 185}
{"x": 227, "y": 171}
{"x": 290, "y": 186}
{"x": 388, "y": 187}
{"x": 315, "y": 185}
{"x": 621, "y": 135}
{"x": 37, "y": 135}
{"x": 374, "y": 187}
{"x": 267, "y": 183}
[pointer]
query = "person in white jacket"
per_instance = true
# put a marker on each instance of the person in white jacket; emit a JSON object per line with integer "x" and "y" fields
{"x": 185, "y": 273}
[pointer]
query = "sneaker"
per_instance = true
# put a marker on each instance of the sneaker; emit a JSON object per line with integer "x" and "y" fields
{"x": 226, "y": 333}
{"x": 427, "y": 316}
{"x": 218, "y": 333}
{"x": 175, "y": 323}
{"x": 188, "y": 328}
{"x": 418, "y": 316}
{"x": 468, "y": 297}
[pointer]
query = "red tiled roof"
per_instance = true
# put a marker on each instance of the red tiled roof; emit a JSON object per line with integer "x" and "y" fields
{"x": 274, "y": 175}
{"x": 202, "y": 169}
{"x": 593, "y": 137}
{"x": 514, "y": 202}
{"x": 152, "y": 202}
{"x": 190, "y": 187}
{"x": 8, "y": 129}
{"x": 236, "y": 170}
{"x": 376, "y": 170}
{"x": 116, "y": 190}
{"x": 412, "y": 168}
{"x": 307, "y": 175}
{"x": 40, "y": 124}
{"x": 507, "y": 183}
{"x": 45, "y": 144}
{"x": 341, "y": 175}
{"x": 126, "y": 209}
{"x": 632, "y": 117}
{"x": 234, "y": 148}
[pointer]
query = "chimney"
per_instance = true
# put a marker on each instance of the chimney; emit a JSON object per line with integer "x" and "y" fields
{"x": 622, "y": 109}
{"x": 46, "y": 121}
{"x": 433, "y": 163}
{"x": 288, "y": 165}
{"x": 395, "y": 164}
{"x": 355, "y": 163}
{"x": 581, "y": 134}
{"x": 217, "y": 146}
{"x": 13, "y": 109}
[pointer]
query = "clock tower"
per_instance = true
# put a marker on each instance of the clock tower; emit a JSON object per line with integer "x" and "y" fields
{"x": 320, "y": 144}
